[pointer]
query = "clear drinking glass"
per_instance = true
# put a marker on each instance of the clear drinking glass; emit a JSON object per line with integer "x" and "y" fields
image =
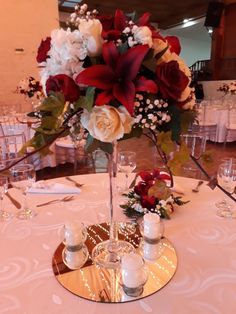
{"x": 126, "y": 163}
{"x": 226, "y": 177}
{"x": 4, "y": 215}
{"x": 21, "y": 177}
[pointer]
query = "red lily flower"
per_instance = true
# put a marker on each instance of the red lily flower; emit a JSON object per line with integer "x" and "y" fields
{"x": 113, "y": 25}
{"x": 116, "y": 78}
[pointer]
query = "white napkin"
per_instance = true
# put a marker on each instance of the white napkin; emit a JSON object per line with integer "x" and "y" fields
{"x": 44, "y": 187}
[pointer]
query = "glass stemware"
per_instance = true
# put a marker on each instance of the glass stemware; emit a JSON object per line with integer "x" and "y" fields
{"x": 126, "y": 163}
{"x": 226, "y": 177}
{"x": 4, "y": 215}
{"x": 21, "y": 177}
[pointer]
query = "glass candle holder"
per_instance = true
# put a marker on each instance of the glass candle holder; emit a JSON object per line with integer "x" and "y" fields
{"x": 75, "y": 253}
{"x": 134, "y": 274}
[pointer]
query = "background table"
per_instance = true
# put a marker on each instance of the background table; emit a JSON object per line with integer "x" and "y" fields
{"x": 205, "y": 281}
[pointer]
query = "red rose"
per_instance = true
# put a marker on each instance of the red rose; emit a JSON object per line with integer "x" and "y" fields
{"x": 141, "y": 188}
{"x": 148, "y": 202}
{"x": 64, "y": 84}
{"x": 43, "y": 50}
{"x": 171, "y": 80}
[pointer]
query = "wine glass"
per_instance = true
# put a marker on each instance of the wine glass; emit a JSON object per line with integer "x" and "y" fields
{"x": 126, "y": 163}
{"x": 4, "y": 215}
{"x": 226, "y": 177}
{"x": 21, "y": 177}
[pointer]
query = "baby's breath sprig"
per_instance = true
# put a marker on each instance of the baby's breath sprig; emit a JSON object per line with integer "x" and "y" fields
{"x": 150, "y": 113}
{"x": 81, "y": 13}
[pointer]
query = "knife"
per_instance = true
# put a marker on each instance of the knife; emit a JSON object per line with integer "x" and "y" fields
{"x": 14, "y": 202}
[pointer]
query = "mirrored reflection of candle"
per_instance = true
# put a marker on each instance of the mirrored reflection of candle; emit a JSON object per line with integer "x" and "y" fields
{"x": 132, "y": 270}
{"x": 151, "y": 226}
{"x": 73, "y": 233}
{"x": 152, "y": 251}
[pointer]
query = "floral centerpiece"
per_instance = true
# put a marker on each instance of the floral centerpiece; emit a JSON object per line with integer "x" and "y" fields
{"x": 151, "y": 194}
{"x": 228, "y": 88}
{"x": 114, "y": 77}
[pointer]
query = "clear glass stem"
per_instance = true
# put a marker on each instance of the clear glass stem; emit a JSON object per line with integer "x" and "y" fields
{"x": 126, "y": 181}
{"x": 1, "y": 203}
{"x": 112, "y": 168}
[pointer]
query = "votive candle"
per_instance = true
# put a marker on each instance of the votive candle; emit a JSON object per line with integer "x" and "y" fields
{"x": 73, "y": 233}
{"x": 151, "y": 226}
{"x": 132, "y": 270}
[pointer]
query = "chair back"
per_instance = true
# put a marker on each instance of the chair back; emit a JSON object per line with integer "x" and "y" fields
{"x": 10, "y": 146}
{"x": 195, "y": 143}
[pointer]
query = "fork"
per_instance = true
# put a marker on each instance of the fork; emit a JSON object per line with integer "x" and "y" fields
{"x": 64, "y": 199}
{"x": 77, "y": 184}
{"x": 196, "y": 189}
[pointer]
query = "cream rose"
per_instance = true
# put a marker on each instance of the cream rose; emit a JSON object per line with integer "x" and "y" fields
{"x": 92, "y": 31}
{"x": 143, "y": 35}
{"x": 107, "y": 123}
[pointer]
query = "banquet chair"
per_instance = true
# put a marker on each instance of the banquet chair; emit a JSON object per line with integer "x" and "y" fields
{"x": 196, "y": 145}
{"x": 68, "y": 151}
{"x": 10, "y": 146}
{"x": 1, "y": 130}
{"x": 206, "y": 124}
{"x": 231, "y": 123}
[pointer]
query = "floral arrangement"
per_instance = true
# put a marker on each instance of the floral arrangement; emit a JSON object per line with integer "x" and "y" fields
{"x": 114, "y": 77}
{"x": 151, "y": 194}
{"x": 229, "y": 88}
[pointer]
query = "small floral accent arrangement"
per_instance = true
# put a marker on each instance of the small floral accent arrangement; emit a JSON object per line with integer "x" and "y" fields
{"x": 151, "y": 194}
{"x": 228, "y": 88}
{"x": 30, "y": 87}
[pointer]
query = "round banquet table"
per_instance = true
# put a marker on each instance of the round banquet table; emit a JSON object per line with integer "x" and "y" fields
{"x": 205, "y": 280}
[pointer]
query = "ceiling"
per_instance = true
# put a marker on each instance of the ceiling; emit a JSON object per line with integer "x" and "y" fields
{"x": 166, "y": 13}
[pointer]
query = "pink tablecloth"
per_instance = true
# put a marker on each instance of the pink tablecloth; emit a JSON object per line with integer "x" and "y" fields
{"x": 205, "y": 281}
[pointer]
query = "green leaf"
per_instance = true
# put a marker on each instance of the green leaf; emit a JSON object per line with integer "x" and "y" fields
{"x": 53, "y": 104}
{"x": 179, "y": 158}
{"x": 91, "y": 144}
{"x": 123, "y": 48}
{"x": 187, "y": 117}
{"x": 150, "y": 62}
{"x": 161, "y": 53}
{"x": 175, "y": 122}
{"x": 135, "y": 132}
{"x": 165, "y": 142}
{"x": 106, "y": 147}
{"x": 87, "y": 101}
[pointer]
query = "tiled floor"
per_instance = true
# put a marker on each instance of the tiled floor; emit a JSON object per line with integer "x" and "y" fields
{"x": 146, "y": 159}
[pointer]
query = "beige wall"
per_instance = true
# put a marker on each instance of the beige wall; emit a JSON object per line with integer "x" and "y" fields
{"x": 23, "y": 23}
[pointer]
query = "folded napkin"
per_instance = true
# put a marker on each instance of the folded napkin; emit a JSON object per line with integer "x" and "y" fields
{"x": 44, "y": 187}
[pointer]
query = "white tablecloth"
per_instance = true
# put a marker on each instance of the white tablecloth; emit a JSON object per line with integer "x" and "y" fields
{"x": 205, "y": 281}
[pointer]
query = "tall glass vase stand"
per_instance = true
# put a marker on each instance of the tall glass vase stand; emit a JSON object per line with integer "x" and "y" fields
{"x": 108, "y": 253}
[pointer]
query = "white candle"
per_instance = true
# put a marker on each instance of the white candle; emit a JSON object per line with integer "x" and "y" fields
{"x": 151, "y": 226}
{"x": 73, "y": 233}
{"x": 132, "y": 270}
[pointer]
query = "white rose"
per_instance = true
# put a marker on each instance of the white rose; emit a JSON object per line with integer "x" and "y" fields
{"x": 143, "y": 35}
{"x": 107, "y": 123}
{"x": 92, "y": 30}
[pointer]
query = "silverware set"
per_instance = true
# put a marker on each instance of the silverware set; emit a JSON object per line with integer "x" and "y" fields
{"x": 58, "y": 200}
